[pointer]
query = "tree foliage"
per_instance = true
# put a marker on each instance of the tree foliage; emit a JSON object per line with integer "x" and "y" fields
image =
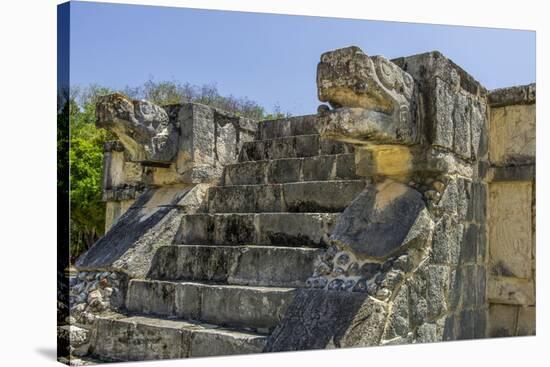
{"x": 87, "y": 211}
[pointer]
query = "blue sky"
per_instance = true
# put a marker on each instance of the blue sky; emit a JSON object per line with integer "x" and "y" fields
{"x": 266, "y": 57}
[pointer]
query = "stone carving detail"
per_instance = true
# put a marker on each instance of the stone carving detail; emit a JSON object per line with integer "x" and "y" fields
{"x": 143, "y": 127}
{"x": 413, "y": 240}
{"x": 373, "y": 96}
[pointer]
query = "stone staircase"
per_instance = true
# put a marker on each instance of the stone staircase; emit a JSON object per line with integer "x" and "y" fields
{"x": 226, "y": 283}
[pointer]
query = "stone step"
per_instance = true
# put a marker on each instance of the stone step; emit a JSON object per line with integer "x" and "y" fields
{"x": 290, "y": 126}
{"x": 291, "y": 147}
{"x": 137, "y": 338}
{"x": 240, "y": 265}
{"x": 317, "y": 168}
{"x": 296, "y": 197}
{"x": 259, "y": 308}
{"x": 269, "y": 229}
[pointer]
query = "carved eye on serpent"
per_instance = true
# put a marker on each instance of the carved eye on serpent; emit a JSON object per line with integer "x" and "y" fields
{"x": 386, "y": 73}
{"x": 408, "y": 85}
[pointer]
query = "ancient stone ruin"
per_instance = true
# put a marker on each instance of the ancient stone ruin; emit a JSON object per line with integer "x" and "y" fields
{"x": 402, "y": 212}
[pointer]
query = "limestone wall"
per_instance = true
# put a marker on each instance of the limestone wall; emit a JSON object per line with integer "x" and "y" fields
{"x": 122, "y": 181}
{"x": 511, "y": 212}
{"x": 205, "y": 139}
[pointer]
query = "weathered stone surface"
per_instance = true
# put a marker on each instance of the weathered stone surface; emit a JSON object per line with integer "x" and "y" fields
{"x": 303, "y": 197}
{"x": 377, "y": 94}
{"x": 74, "y": 340}
{"x": 231, "y": 305}
{"x": 286, "y": 147}
{"x": 512, "y": 173}
{"x": 320, "y": 318}
{"x": 114, "y": 210}
{"x": 209, "y": 137}
{"x": 406, "y": 261}
{"x": 315, "y": 168}
{"x": 521, "y": 94}
{"x": 512, "y": 135}
{"x": 220, "y": 342}
{"x": 244, "y": 265}
{"x": 277, "y": 229}
{"x": 446, "y": 240}
{"x": 157, "y": 298}
{"x": 436, "y": 287}
{"x": 385, "y": 161}
{"x": 398, "y": 324}
{"x": 510, "y": 228}
{"x": 274, "y": 266}
{"x": 383, "y": 219}
{"x": 502, "y": 320}
{"x": 157, "y": 339}
{"x": 361, "y": 126}
{"x": 427, "y": 333}
{"x": 289, "y": 126}
{"x": 143, "y": 127}
{"x": 295, "y": 229}
{"x": 121, "y": 338}
{"x": 320, "y": 196}
{"x": 527, "y": 323}
{"x": 149, "y": 223}
{"x": 453, "y": 100}
{"x": 511, "y": 290}
{"x": 254, "y": 307}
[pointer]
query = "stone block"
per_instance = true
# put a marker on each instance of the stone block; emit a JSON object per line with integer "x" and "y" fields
{"x": 112, "y": 339}
{"x": 153, "y": 339}
{"x": 233, "y": 229}
{"x": 398, "y": 324}
{"x": 288, "y": 126}
{"x": 512, "y": 135}
{"x": 447, "y": 240}
{"x": 510, "y": 228}
{"x": 318, "y": 168}
{"x": 187, "y": 301}
{"x": 480, "y": 323}
{"x": 157, "y": 298}
{"x": 426, "y": 333}
{"x": 273, "y": 266}
{"x": 295, "y": 229}
{"x": 268, "y": 199}
{"x": 242, "y": 265}
{"x": 393, "y": 161}
{"x": 517, "y": 95}
{"x": 331, "y": 147}
{"x": 284, "y": 170}
{"x": 319, "y": 318}
{"x": 245, "y": 306}
{"x": 246, "y": 173}
{"x": 320, "y": 196}
{"x": 231, "y": 199}
{"x": 220, "y": 342}
{"x": 436, "y": 287}
{"x": 510, "y": 290}
{"x": 462, "y": 117}
{"x": 443, "y": 132}
{"x": 382, "y": 220}
{"x": 502, "y": 320}
{"x": 468, "y": 251}
{"x": 527, "y": 321}
{"x": 469, "y": 285}
{"x": 466, "y": 325}
{"x": 345, "y": 166}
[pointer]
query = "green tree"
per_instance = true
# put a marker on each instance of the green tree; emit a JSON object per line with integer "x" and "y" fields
{"x": 86, "y": 161}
